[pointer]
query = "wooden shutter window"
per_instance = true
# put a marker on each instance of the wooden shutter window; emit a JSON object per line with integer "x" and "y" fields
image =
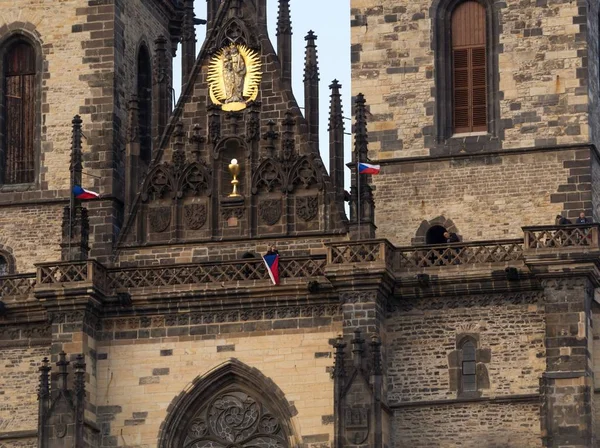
{"x": 469, "y": 68}
{"x": 19, "y": 120}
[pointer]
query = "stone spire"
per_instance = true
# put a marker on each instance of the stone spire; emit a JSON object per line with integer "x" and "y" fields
{"x": 75, "y": 225}
{"x": 161, "y": 89}
{"x": 311, "y": 89}
{"x": 336, "y": 142}
{"x": 188, "y": 41}
{"x": 362, "y": 208}
{"x": 284, "y": 42}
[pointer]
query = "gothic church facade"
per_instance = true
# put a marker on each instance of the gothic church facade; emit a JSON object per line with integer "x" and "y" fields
{"x": 147, "y": 318}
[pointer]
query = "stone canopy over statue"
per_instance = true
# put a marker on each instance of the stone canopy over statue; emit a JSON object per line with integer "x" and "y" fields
{"x": 234, "y": 77}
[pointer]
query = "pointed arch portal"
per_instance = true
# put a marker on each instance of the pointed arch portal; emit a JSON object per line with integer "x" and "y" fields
{"x": 232, "y": 406}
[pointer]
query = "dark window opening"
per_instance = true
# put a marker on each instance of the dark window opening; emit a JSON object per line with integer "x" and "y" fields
{"x": 435, "y": 235}
{"x": 144, "y": 92}
{"x": 469, "y": 68}
{"x": 3, "y": 266}
{"x": 19, "y": 114}
{"x": 469, "y": 367}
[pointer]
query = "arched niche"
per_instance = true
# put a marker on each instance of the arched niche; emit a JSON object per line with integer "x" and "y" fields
{"x": 226, "y": 151}
{"x": 233, "y": 405}
{"x": 430, "y": 229}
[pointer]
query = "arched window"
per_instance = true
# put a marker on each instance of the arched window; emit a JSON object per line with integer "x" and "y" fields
{"x": 467, "y": 87}
{"x": 469, "y": 67}
{"x": 18, "y": 124}
{"x": 233, "y": 406}
{"x": 4, "y": 268}
{"x": 468, "y": 366}
{"x": 144, "y": 92}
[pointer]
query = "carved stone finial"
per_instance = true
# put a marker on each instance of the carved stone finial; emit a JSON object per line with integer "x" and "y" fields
{"x": 339, "y": 370}
{"x": 62, "y": 365}
{"x": 284, "y": 21}
{"x": 288, "y": 142}
{"x": 178, "y": 148}
{"x": 311, "y": 62}
{"x": 44, "y": 386}
{"x": 214, "y": 125}
{"x": 357, "y": 348}
{"x": 133, "y": 126}
{"x": 79, "y": 383}
{"x": 336, "y": 116}
{"x": 361, "y": 141}
{"x": 76, "y": 165}
{"x": 197, "y": 139}
{"x": 270, "y": 136}
{"x": 376, "y": 355}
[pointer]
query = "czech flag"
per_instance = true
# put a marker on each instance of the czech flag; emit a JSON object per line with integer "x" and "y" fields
{"x": 367, "y": 168}
{"x": 272, "y": 263}
{"x": 82, "y": 193}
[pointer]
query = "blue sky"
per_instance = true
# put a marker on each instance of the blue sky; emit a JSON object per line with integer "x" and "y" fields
{"x": 330, "y": 20}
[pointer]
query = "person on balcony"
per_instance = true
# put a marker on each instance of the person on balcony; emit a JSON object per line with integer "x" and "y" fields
{"x": 452, "y": 237}
{"x": 582, "y": 219}
{"x": 562, "y": 221}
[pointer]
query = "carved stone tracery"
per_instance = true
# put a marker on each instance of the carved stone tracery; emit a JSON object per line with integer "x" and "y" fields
{"x": 235, "y": 418}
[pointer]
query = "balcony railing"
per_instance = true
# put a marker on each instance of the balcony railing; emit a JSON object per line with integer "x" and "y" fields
{"x": 570, "y": 235}
{"x": 378, "y": 254}
{"x": 459, "y": 253}
{"x": 217, "y": 272}
{"x": 20, "y": 285}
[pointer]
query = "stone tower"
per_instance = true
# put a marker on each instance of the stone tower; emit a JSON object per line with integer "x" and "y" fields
{"x": 81, "y": 58}
{"x": 484, "y": 117}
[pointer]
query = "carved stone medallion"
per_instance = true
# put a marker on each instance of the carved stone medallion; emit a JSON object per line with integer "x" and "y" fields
{"x": 194, "y": 216}
{"x": 307, "y": 207}
{"x": 60, "y": 430}
{"x": 357, "y": 425}
{"x": 160, "y": 218}
{"x": 270, "y": 211}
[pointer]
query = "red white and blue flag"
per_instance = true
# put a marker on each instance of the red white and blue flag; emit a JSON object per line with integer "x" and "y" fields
{"x": 367, "y": 168}
{"x": 272, "y": 263}
{"x": 82, "y": 193}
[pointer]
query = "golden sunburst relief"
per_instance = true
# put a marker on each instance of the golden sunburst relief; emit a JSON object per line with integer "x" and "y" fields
{"x": 234, "y": 77}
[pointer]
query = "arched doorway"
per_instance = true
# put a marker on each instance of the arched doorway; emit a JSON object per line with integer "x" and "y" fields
{"x": 234, "y": 405}
{"x": 435, "y": 235}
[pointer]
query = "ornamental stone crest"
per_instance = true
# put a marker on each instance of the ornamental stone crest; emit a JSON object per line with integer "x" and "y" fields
{"x": 159, "y": 218}
{"x": 235, "y": 419}
{"x": 194, "y": 216}
{"x": 307, "y": 207}
{"x": 270, "y": 211}
{"x": 357, "y": 425}
{"x": 234, "y": 77}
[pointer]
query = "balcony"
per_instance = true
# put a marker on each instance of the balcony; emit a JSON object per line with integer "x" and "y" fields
{"x": 372, "y": 255}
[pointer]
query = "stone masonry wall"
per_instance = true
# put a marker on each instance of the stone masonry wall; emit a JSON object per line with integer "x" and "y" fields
{"x": 31, "y": 234}
{"x": 473, "y": 425}
{"x": 18, "y": 388}
{"x": 542, "y": 58}
{"x": 138, "y": 379}
{"x": 487, "y": 197}
{"x": 420, "y": 340}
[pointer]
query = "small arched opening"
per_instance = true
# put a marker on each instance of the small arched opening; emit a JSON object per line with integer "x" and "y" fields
{"x": 435, "y": 235}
